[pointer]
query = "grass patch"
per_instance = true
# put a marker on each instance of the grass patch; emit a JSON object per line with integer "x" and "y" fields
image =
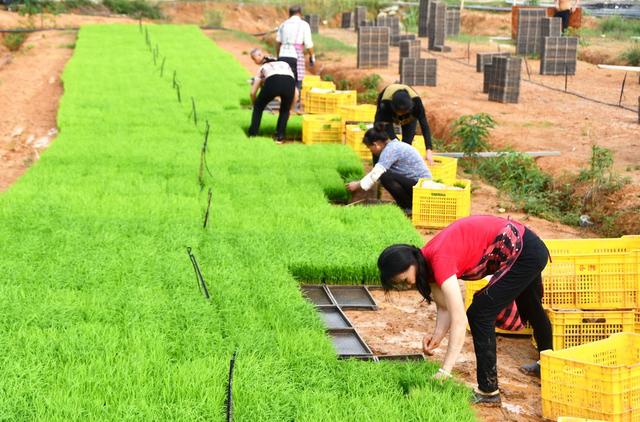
{"x": 324, "y": 44}
{"x": 619, "y": 27}
{"x": 632, "y": 55}
{"x": 134, "y": 8}
{"x": 13, "y": 41}
{"x": 466, "y": 38}
{"x": 530, "y": 189}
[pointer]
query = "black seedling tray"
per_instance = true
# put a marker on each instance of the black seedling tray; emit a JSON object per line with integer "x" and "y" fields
{"x": 352, "y": 297}
{"x": 348, "y": 342}
{"x": 333, "y": 317}
{"x": 318, "y": 295}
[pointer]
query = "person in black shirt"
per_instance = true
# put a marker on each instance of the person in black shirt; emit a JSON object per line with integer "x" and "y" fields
{"x": 401, "y": 105}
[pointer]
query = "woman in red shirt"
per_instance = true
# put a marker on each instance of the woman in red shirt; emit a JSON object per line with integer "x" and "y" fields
{"x": 470, "y": 249}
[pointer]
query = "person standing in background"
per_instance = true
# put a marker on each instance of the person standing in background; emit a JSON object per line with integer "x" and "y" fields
{"x": 564, "y": 10}
{"x": 293, "y": 37}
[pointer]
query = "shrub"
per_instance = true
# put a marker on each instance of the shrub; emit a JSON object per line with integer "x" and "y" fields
{"x": 632, "y": 55}
{"x": 13, "y": 41}
{"x": 134, "y": 8}
{"x": 213, "y": 18}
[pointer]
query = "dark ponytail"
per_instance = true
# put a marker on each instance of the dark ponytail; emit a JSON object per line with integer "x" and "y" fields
{"x": 377, "y": 133}
{"x": 395, "y": 259}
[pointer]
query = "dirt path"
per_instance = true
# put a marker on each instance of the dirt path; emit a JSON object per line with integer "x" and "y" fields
{"x": 30, "y": 90}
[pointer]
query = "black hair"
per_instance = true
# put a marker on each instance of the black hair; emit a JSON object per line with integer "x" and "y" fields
{"x": 294, "y": 10}
{"x": 376, "y": 134}
{"x": 401, "y": 102}
{"x": 395, "y": 259}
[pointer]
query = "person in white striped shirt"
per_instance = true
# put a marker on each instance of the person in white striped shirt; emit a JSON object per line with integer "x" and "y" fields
{"x": 292, "y": 38}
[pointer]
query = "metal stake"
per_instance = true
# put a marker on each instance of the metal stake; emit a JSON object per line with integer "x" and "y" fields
{"x": 202, "y": 285}
{"x": 229, "y": 400}
{"x": 622, "y": 90}
{"x": 193, "y": 110}
{"x": 526, "y": 65}
{"x": 206, "y": 215}
{"x": 164, "y": 59}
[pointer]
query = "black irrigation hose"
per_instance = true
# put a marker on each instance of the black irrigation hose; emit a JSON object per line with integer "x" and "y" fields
{"x": 202, "y": 284}
{"x": 546, "y": 86}
{"x": 206, "y": 215}
{"x": 229, "y": 400}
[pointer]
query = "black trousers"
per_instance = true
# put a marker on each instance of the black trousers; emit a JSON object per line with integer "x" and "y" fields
{"x": 282, "y": 86}
{"x": 564, "y": 14}
{"x": 409, "y": 132}
{"x": 293, "y": 64}
{"x": 400, "y": 187}
{"x": 522, "y": 283}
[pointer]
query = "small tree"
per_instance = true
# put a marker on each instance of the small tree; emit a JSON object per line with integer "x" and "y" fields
{"x": 472, "y": 132}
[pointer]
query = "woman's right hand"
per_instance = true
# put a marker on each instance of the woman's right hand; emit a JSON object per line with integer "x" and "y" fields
{"x": 429, "y": 344}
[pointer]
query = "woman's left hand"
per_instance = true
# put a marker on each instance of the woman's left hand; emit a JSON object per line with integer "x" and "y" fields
{"x": 429, "y": 157}
{"x": 353, "y": 186}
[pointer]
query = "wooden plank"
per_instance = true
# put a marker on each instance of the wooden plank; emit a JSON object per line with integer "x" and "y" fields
{"x": 493, "y": 154}
{"x": 623, "y": 68}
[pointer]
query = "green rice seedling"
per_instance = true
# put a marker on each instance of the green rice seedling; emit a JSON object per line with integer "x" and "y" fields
{"x": 101, "y": 317}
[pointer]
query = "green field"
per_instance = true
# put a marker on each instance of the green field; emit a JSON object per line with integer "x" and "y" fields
{"x": 101, "y": 316}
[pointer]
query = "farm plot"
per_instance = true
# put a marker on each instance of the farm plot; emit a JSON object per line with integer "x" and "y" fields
{"x": 100, "y": 315}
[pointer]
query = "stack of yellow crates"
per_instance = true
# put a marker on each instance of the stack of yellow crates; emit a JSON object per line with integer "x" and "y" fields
{"x": 592, "y": 294}
{"x": 314, "y": 81}
{"x": 327, "y": 101}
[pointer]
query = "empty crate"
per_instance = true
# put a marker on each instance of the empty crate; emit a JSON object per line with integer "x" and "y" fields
{"x": 599, "y": 380}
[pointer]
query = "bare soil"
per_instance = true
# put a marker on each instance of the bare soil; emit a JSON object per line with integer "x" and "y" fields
{"x": 403, "y": 319}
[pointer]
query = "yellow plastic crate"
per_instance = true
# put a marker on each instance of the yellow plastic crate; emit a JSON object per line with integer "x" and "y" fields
{"x": 315, "y": 83}
{"x": 599, "y": 380}
{"x": 444, "y": 169}
{"x": 471, "y": 287}
{"x": 353, "y": 138}
{"x": 592, "y": 282}
{"x": 573, "y": 328}
{"x": 620, "y": 245}
{"x": 358, "y": 113}
{"x": 321, "y": 129}
{"x": 322, "y": 101}
{"x": 309, "y": 79}
{"x": 418, "y": 143}
{"x": 437, "y": 208}
{"x": 637, "y": 320}
{"x": 573, "y": 419}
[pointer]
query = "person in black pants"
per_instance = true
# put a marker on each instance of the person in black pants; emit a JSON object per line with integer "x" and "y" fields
{"x": 564, "y": 10}
{"x": 469, "y": 249}
{"x": 399, "y": 167}
{"x": 277, "y": 80}
{"x": 401, "y": 105}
